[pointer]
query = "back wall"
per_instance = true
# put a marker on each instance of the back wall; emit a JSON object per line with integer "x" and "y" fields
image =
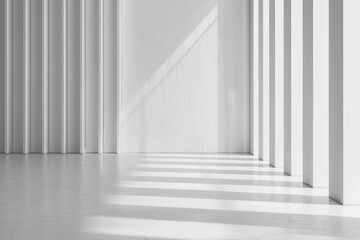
{"x": 124, "y": 76}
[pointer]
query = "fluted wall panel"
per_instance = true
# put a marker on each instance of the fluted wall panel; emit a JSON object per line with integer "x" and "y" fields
{"x": 55, "y": 76}
{"x": 73, "y": 76}
{"x": 92, "y": 75}
{"x": 82, "y": 94}
{"x": 36, "y": 76}
{"x": 26, "y": 74}
{"x": 70, "y": 84}
{"x": 110, "y": 76}
{"x": 17, "y": 96}
{"x": 3, "y": 74}
{"x": 45, "y": 76}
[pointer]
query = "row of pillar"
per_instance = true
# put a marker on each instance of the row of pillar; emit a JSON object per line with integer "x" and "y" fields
{"x": 306, "y": 81}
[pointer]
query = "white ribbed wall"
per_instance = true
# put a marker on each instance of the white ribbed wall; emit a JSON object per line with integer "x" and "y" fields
{"x": 124, "y": 75}
{"x": 59, "y": 81}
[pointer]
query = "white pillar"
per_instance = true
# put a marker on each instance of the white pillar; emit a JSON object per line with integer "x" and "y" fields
{"x": 8, "y": 76}
{"x": 119, "y": 79}
{"x": 83, "y": 77}
{"x": 277, "y": 83}
{"x": 264, "y": 124}
{"x": 45, "y": 76}
{"x": 101, "y": 79}
{"x": 254, "y": 78}
{"x": 64, "y": 84}
{"x": 293, "y": 87}
{"x": 26, "y": 76}
{"x": 316, "y": 93}
{"x": 344, "y": 101}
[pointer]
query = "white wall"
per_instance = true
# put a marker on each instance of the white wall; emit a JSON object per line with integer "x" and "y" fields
{"x": 234, "y": 57}
{"x": 185, "y": 80}
{"x": 183, "y": 87}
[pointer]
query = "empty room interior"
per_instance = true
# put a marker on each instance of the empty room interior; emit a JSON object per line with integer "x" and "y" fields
{"x": 179, "y": 119}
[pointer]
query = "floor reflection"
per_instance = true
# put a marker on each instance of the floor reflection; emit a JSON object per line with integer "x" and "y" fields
{"x": 166, "y": 196}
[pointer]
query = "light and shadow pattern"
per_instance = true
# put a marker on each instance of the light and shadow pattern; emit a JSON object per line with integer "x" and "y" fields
{"x": 163, "y": 196}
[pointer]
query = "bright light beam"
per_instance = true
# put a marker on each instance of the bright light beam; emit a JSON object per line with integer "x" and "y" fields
{"x": 226, "y": 188}
{"x": 237, "y": 205}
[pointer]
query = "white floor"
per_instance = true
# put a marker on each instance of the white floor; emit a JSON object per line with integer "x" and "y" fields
{"x": 161, "y": 197}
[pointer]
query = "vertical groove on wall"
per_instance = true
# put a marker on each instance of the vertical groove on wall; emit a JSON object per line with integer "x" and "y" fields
{"x": 26, "y": 77}
{"x": 8, "y": 77}
{"x": 82, "y": 81}
{"x": 119, "y": 62}
{"x": 45, "y": 73}
{"x": 64, "y": 78}
{"x": 101, "y": 76}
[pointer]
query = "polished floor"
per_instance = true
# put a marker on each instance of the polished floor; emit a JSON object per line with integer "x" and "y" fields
{"x": 163, "y": 196}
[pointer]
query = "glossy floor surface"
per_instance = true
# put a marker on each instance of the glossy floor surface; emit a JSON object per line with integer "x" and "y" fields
{"x": 162, "y": 196}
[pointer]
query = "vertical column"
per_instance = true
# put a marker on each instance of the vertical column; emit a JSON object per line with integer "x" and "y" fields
{"x": 272, "y": 82}
{"x": 293, "y": 87}
{"x": 2, "y": 74}
{"x": 45, "y": 75}
{"x": 64, "y": 78}
{"x": 17, "y": 80}
{"x": 316, "y": 93}
{"x": 26, "y": 77}
{"x": 110, "y": 105}
{"x": 344, "y": 101}
{"x": 277, "y": 83}
{"x": 73, "y": 98}
{"x": 83, "y": 77}
{"x": 264, "y": 78}
{"x": 119, "y": 67}
{"x": 101, "y": 78}
{"x": 261, "y": 74}
{"x": 35, "y": 85}
{"x": 254, "y": 77}
{"x": 8, "y": 77}
{"x": 92, "y": 76}
{"x": 56, "y": 76}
